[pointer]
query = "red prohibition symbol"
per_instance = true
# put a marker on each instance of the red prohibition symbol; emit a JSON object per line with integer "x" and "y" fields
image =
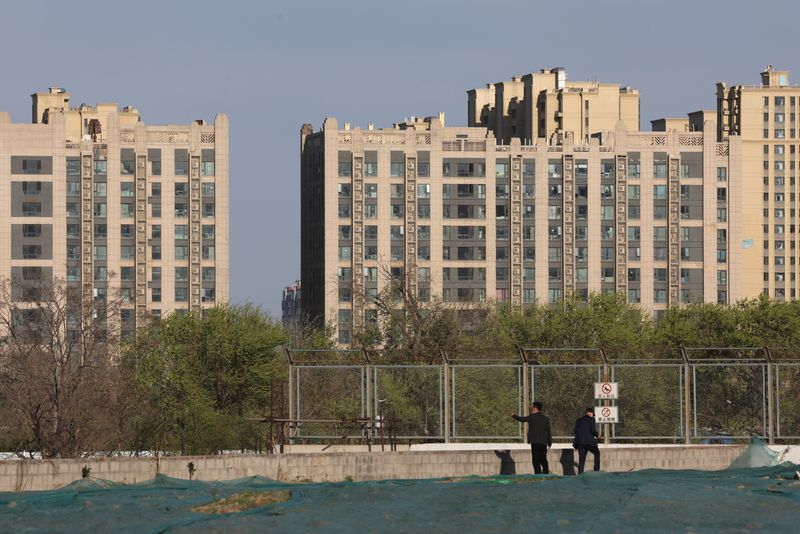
{"x": 606, "y": 388}
{"x": 606, "y": 412}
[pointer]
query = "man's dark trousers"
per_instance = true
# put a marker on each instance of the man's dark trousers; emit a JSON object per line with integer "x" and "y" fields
{"x": 582, "y": 451}
{"x": 539, "y": 457}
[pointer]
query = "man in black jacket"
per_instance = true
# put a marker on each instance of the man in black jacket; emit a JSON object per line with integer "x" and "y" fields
{"x": 586, "y": 440}
{"x": 539, "y": 437}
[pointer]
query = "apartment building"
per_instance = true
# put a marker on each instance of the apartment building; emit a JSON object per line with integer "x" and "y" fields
{"x": 665, "y": 217}
{"x": 290, "y": 303}
{"x": 765, "y": 119}
{"x": 546, "y": 105}
{"x": 103, "y": 201}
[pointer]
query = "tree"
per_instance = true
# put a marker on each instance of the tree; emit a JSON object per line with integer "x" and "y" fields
{"x": 199, "y": 378}
{"x": 57, "y": 370}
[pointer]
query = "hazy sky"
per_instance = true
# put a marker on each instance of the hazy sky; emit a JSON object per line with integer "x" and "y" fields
{"x": 273, "y": 65}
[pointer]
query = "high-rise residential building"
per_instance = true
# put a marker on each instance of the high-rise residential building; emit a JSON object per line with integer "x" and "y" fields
{"x": 101, "y": 200}
{"x": 290, "y": 303}
{"x": 533, "y": 211}
{"x": 546, "y": 105}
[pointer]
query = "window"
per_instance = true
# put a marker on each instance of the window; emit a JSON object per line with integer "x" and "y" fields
{"x": 634, "y": 296}
{"x": 73, "y": 252}
{"x": 31, "y": 252}
{"x": 31, "y": 166}
{"x": 181, "y": 294}
{"x": 126, "y": 252}
{"x": 126, "y": 209}
{"x": 181, "y": 252}
{"x": 181, "y": 274}
{"x": 100, "y": 209}
{"x": 423, "y": 191}
{"x": 100, "y": 252}
{"x": 397, "y": 169}
{"x": 73, "y": 230}
{"x": 659, "y": 233}
{"x": 633, "y": 192}
{"x": 634, "y": 275}
{"x": 554, "y": 213}
{"x": 155, "y": 209}
{"x": 181, "y": 189}
{"x": 181, "y": 163}
{"x": 34, "y": 230}
{"x": 100, "y": 167}
{"x": 607, "y": 213}
{"x": 371, "y": 190}
{"x": 181, "y": 231}
{"x": 660, "y": 296}
{"x": 73, "y": 167}
{"x": 208, "y": 209}
{"x": 722, "y": 174}
{"x": 100, "y": 274}
{"x": 634, "y": 233}
{"x": 659, "y": 192}
{"x": 126, "y": 189}
{"x": 101, "y": 231}
{"x": 31, "y": 188}
{"x": 370, "y": 168}
{"x": 31, "y": 208}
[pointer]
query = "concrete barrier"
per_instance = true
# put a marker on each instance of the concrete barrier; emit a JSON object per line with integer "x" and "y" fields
{"x": 27, "y": 475}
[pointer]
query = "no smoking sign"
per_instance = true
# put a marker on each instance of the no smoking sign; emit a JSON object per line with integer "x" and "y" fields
{"x": 606, "y": 414}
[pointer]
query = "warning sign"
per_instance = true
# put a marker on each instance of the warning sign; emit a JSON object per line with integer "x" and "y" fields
{"x": 606, "y": 390}
{"x": 606, "y": 414}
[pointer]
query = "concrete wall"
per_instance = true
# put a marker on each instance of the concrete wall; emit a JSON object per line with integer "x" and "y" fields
{"x": 16, "y": 475}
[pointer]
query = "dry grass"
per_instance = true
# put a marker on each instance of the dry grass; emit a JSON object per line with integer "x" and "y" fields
{"x": 240, "y": 502}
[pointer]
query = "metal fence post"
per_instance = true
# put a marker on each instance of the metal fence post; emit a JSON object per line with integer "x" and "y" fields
{"x": 446, "y": 368}
{"x": 292, "y": 415}
{"x": 769, "y": 393}
{"x": 606, "y": 402}
{"x": 687, "y": 397}
{"x": 526, "y": 390}
{"x": 369, "y": 388}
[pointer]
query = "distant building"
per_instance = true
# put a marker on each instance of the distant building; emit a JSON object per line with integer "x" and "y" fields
{"x": 290, "y": 303}
{"x": 94, "y": 196}
{"x": 553, "y": 190}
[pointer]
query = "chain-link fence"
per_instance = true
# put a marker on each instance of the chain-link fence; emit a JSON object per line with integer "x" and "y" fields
{"x": 682, "y": 395}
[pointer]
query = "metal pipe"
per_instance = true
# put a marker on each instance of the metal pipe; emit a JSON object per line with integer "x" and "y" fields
{"x": 687, "y": 397}
{"x": 446, "y": 369}
{"x": 770, "y": 392}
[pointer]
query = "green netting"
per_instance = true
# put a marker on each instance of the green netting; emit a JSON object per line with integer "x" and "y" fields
{"x": 742, "y": 500}
{"x": 758, "y": 454}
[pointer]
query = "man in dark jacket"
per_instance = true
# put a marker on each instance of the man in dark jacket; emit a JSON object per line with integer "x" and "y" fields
{"x": 586, "y": 440}
{"x": 539, "y": 437}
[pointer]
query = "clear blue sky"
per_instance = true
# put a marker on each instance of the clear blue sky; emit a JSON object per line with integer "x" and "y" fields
{"x": 273, "y": 65}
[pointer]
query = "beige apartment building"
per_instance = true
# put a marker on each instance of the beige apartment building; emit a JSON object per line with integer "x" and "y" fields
{"x": 103, "y": 201}
{"x": 665, "y": 217}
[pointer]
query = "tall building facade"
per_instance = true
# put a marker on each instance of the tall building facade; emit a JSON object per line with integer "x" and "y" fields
{"x": 291, "y": 299}
{"x": 480, "y": 213}
{"x": 99, "y": 199}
